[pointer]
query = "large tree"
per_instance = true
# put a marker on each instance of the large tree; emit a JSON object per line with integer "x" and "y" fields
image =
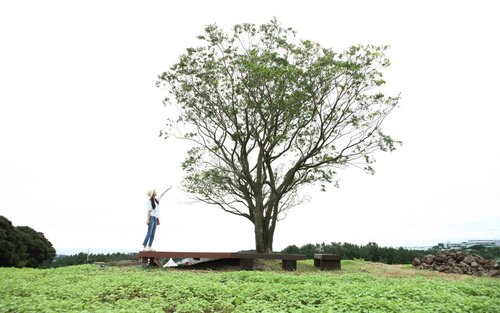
{"x": 22, "y": 246}
{"x": 36, "y": 250}
{"x": 268, "y": 114}
{"x": 10, "y": 243}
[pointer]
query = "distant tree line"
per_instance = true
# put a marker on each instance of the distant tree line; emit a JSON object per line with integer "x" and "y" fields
{"x": 23, "y": 246}
{"x": 84, "y": 258}
{"x": 486, "y": 252}
{"x": 372, "y": 252}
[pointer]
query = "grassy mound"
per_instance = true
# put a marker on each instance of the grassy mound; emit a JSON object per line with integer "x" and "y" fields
{"x": 359, "y": 287}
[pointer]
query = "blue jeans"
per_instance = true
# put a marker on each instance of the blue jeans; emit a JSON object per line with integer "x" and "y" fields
{"x": 150, "y": 236}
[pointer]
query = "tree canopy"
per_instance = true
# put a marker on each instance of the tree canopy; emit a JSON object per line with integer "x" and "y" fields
{"x": 10, "y": 243}
{"x": 35, "y": 248}
{"x": 22, "y": 246}
{"x": 268, "y": 114}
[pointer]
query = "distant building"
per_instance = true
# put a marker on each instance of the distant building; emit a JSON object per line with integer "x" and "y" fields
{"x": 453, "y": 245}
{"x": 469, "y": 243}
{"x": 484, "y": 243}
{"x": 421, "y": 248}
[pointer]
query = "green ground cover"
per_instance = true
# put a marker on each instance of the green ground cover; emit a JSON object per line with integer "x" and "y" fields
{"x": 359, "y": 287}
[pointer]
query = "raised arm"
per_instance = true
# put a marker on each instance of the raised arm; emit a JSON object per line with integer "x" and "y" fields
{"x": 166, "y": 191}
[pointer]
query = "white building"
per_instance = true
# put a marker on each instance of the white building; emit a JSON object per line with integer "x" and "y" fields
{"x": 484, "y": 243}
{"x": 453, "y": 245}
{"x": 470, "y": 243}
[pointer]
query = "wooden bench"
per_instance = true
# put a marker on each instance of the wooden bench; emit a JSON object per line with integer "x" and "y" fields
{"x": 327, "y": 261}
{"x": 246, "y": 260}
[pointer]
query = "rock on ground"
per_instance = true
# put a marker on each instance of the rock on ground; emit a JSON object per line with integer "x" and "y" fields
{"x": 458, "y": 262}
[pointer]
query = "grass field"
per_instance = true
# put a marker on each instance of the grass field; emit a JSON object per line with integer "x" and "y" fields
{"x": 360, "y": 287}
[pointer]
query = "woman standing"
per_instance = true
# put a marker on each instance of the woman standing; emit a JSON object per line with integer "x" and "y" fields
{"x": 153, "y": 217}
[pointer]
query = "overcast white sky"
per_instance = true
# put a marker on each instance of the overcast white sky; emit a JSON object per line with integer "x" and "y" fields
{"x": 80, "y": 117}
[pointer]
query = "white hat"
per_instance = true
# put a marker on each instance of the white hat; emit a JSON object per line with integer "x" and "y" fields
{"x": 151, "y": 192}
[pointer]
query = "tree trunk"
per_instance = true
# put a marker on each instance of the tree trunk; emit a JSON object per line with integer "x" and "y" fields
{"x": 263, "y": 237}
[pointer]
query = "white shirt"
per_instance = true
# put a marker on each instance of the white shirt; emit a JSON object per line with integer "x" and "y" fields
{"x": 156, "y": 211}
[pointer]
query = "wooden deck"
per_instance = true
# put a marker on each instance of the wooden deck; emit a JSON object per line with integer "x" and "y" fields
{"x": 246, "y": 260}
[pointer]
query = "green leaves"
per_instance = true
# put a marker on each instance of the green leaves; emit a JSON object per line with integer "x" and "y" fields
{"x": 264, "y": 108}
{"x": 88, "y": 288}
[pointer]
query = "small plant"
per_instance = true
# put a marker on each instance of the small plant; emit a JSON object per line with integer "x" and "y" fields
{"x": 360, "y": 287}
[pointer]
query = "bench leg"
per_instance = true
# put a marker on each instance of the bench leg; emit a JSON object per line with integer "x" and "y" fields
{"x": 148, "y": 262}
{"x": 246, "y": 264}
{"x": 328, "y": 265}
{"x": 153, "y": 261}
{"x": 289, "y": 265}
